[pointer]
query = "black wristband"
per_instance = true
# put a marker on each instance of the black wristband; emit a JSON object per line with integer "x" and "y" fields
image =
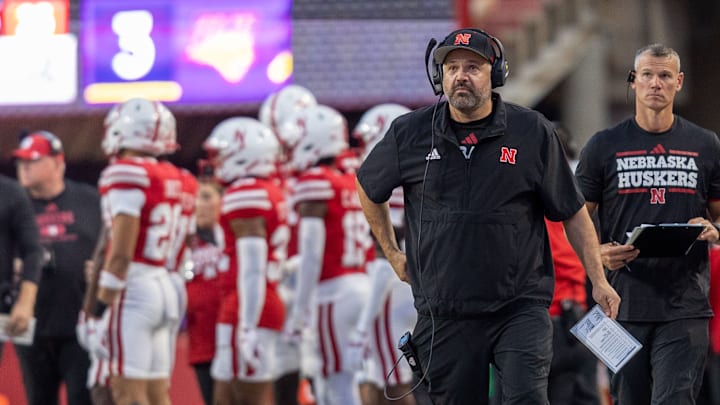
{"x": 99, "y": 309}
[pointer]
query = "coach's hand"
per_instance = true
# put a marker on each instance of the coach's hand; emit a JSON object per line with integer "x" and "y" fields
{"x": 398, "y": 261}
{"x": 607, "y": 297}
{"x": 615, "y": 256}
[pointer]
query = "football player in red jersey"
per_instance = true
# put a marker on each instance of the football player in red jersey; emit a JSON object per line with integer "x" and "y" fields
{"x": 333, "y": 240}
{"x": 98, "y": 379}
{"x": 253, "y": 217}
{"x": 389, "y": 312}
{"x": 223, "y": 367}
{"x": 280, "y": 106}
{"x": 141, "y": 200}
{"x": 277, "y": 112}
{"x": 183, "y": 232}
{"x": 207, "y": 257}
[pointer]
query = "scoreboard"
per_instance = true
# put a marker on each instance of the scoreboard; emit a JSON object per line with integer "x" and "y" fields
{"x": 184, "y": 51}
{"x": 38, "y": 53}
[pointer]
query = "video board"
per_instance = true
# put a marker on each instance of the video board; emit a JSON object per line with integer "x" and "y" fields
{"x": 184, "y": 51}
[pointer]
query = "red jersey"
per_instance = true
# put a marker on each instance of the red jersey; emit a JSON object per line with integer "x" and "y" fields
{"x": 348, "y": 161}
{"x": 186, "y": 222}
{"x": 161, "y": 189}
{"x": 715, "y": 298}
{"x": 397, "y": 207}
{"x": 245, "y": 199}
{"x": 347, "y": 233}
{"x": 569, "y": 271}
{"x": 203, "y": 293}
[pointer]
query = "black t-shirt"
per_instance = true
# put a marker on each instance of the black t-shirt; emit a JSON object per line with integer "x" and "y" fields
{"x": 69, "y": 226}
{"x": 468, "y": 134}
{"x": 18, "y": 238}
{"x": 637, "y": 177}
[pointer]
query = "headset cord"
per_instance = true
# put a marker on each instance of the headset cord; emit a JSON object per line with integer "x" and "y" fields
{"x": 419, "y": 267}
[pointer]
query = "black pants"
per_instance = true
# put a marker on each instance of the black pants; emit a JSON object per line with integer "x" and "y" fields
{"x": 205, "y": 381}
{"x": 517, "y": 341}
{"x": 668, "y": 370}
{"x": 710, "y": 391}
{"x": 50, "y": 361}
{"x": 573, "y": 372}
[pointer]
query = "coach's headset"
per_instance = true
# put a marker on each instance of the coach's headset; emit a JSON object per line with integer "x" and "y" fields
{"x": 53, "y": 141}
{"x": 631, "y": 76}
{"x": 500, "y": 66}
{"x": 630, "y": 80}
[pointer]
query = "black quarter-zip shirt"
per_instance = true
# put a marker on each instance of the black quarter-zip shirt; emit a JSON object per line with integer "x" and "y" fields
{"x": 476, "y": 238}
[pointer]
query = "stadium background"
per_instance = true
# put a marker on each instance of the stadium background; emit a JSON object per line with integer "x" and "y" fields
{"x": 568, "y": 59}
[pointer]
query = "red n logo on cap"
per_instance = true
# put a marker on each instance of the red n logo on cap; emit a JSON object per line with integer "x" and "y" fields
{"x": 462, "y": 39}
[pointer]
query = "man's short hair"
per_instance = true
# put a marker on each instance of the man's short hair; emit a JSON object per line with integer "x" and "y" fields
{"x": 657, "y": 51}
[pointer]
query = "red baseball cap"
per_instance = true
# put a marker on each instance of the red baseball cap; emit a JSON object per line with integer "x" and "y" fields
{"x": 38, "y": 144}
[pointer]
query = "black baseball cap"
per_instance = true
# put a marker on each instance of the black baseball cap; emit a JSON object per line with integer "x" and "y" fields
{"x": 469, "y": 39}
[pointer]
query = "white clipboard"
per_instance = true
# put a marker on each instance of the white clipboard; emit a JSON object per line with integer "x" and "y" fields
{"x": 606, "y": 338}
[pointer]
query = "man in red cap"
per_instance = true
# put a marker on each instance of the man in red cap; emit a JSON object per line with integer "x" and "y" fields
{"x": 68, "y": 218}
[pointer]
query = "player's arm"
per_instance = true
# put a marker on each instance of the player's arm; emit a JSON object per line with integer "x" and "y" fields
{"x": 381, "y": 275}
{"x": 252, "y": 252}
{"x": 312, "y": 249}
{"x": 124, "y": 235}
{"x": 93, "y": 267}
{"x": 125, "y": 207}
{"x": 378, "y": 216}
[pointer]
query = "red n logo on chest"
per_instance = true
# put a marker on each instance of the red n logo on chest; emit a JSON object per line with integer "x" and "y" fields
{"x": 507, "y": 155}
{"x": 657, "y": 195}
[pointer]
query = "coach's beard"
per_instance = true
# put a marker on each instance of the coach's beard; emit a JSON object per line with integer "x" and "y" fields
{"x": 469, "y": 100}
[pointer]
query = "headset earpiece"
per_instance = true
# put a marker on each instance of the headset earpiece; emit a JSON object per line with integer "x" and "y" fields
{"x": 433, "y": 70}
{"x": 631, "y": 76}
{"x": 500, "y": 66}
{"x": 437, "y": 79}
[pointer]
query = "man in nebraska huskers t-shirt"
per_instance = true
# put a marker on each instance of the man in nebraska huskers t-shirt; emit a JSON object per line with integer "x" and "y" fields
{"x": 656, "y": 167}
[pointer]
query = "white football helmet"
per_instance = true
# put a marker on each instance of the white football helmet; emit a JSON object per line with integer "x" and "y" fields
{"x": 324, "y": 135}
{"x": 280, "y": 106}
{"x": 142, "y": 125}
{"x": 374, "y": 124}
{"x": 242, "y": 147}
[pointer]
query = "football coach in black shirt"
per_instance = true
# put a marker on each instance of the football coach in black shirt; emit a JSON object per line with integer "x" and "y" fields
{"x": 18, "y": 238}
{"x": 67, "y": 214}
{"x": 479, "y": 175}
